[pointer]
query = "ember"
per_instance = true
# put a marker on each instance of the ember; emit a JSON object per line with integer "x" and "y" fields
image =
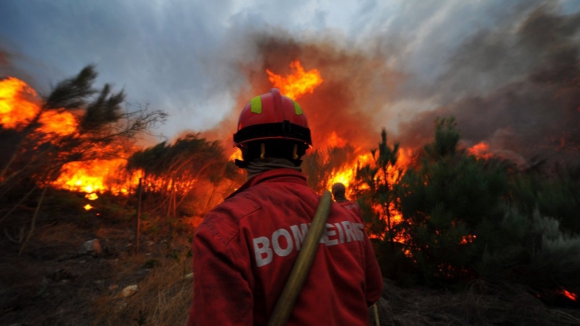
{"x": 569, "y": 295}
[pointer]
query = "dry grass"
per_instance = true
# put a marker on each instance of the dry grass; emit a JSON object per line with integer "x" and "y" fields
{"x": 163, "y": 296}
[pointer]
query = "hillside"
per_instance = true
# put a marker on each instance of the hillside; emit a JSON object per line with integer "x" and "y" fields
{"x": 57, "y": 282}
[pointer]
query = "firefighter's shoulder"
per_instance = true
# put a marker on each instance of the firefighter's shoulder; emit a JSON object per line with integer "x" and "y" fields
{"x": 225, "y": 218}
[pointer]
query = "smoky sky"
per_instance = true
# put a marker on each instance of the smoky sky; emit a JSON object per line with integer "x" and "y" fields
{"x": 516, "y": 86}
{"x": 506, "y": 70}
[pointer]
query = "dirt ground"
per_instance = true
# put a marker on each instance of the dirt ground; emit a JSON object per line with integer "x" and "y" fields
{"x": 54, "y": 282}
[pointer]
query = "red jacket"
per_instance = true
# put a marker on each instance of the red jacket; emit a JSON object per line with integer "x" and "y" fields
{"x": 245, "y": 248}
{"x": 352, "y": 206}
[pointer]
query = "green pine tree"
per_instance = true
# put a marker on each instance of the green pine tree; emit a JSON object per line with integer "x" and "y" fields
{"x": 444, "y": 201}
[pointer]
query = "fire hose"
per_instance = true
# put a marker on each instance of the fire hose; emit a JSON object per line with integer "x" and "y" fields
{"x": 302, "y": 265}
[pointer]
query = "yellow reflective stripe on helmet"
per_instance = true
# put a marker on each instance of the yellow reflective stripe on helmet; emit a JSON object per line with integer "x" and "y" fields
{"x": 256, "y": 105}
{"x": 297, "y": 108}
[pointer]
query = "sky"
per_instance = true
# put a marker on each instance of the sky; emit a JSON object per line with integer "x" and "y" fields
{"x": 394, "y": 64}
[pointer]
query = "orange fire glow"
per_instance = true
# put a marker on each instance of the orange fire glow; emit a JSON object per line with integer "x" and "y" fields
{"x": 92, "y": 196}
{"x": 346, "y": 175}
{"x": 297, "y": 84}
{"x": 302, "y": 82}
{"x": 17, "y": 106}
{"x": 61, "y": 123}
{"x": 95, "y": 176}
{"x": 335, "y": 141}
{"x": 468, "y": 239}
{"x": 480, "y": 150}
{"x": 236, "y": 155}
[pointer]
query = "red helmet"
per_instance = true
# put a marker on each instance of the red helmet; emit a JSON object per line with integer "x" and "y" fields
{"x": 272, "y": 116}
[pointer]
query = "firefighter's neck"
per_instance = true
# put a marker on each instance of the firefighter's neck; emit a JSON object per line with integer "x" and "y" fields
{"x": 260, "y": 165}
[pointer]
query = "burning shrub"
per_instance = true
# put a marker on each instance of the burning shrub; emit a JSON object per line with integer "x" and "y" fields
{"x": 458, "y": 218}
{"x": 74, "y": 123}
{"x": 433, "y": 211}
{"x": 172, "y": 173}
{"x": 322, "y": 165}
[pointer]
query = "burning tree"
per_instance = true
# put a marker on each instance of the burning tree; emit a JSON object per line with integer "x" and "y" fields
{"x": 376, "y": 185}
{"x": 322, "y": 166}
{"x": 75, "y": 122}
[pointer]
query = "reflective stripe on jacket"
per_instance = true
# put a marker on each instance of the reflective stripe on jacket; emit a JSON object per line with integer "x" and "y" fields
{"x": 245, "y": 248}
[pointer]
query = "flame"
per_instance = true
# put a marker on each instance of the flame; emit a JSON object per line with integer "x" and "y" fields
{"x": 346, "y": 176}
{"x": 297, "y": 84}
{"x": 62, "y": 123}
{"x": 95, "y": 176}
{"x": 236, "y": 155}
{"x": 335, "y": 141}
{"x": 88, "y": 207}
{"x": 18, "y": 108}
{"x": 16, "y": 105}
{"x": 91, "y": 196}
{"x": 480, "y": 150}
{"x": 302, "y": 82}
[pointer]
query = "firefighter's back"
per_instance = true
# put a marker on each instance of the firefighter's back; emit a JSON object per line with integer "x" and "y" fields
{"x": 265, "y": 225}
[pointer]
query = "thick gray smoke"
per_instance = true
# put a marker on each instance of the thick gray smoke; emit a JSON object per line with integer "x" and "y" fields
{"x": 515, "y": 86}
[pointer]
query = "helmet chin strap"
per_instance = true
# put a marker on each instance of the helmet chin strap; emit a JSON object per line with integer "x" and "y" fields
{"x": 262, "y": 150}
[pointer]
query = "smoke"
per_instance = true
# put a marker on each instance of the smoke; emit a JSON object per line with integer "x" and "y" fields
{"x": 509, "y": 73}
{"x": 357, "y": 85}
{"x": 514, "y": 85}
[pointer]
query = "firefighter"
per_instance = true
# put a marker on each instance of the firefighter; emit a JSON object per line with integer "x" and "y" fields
{"x": 338, "y": 193}
{"x": 245, "y": 248}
